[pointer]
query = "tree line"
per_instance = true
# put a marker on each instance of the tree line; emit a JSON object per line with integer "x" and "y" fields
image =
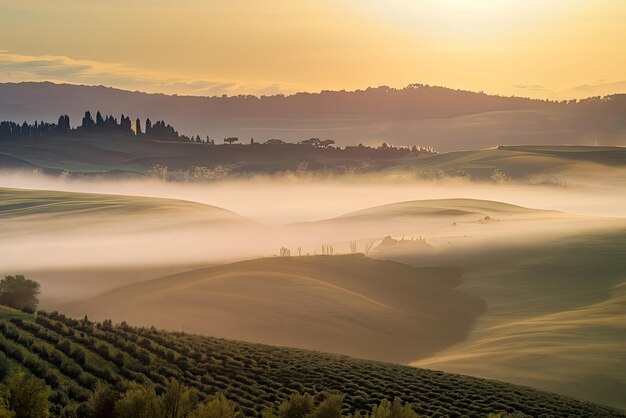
{"x": 106, "y": 124}
{"x": 160, "y": 130}
{"x": 13, "y": 130}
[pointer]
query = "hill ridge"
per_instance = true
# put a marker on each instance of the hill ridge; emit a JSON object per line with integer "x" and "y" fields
{"x": 442, "y": 207}
{"x": 435, "y": 115}
{"x": 21, "y": 202}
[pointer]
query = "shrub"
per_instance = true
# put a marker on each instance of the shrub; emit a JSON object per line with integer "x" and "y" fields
{"x": 102, "y": 402}
{"x": 177, "y": 400}
{"x": 5, "y": 367}
{"x": 395, "y": 409}
{"x": 79, "y": 356}
{"x": 139, "y": 401}
{"x": 329, "y": 408}
{"x": 298, "y": 406}
{"x": 5, "y": 412}
{"x": 218, "y": 407}
{"x": 27, "y": 396}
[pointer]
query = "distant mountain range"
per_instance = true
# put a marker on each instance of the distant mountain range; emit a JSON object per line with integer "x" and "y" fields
{"x": 444, "y": 118}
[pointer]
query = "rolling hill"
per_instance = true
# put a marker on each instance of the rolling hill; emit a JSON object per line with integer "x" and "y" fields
{"x": 433, "y": 226}
{"x": 538, "y": 348}
{"x": 555, "y": 311}
{"x": 64, "y": 237}
{"x": 116, "y": 155}
{"x": 30, "y": 204}
{"x": 346, "y": 304}
{"x": 72, "y": 356}
{"x": 529, "y": 162}
{"x": 37, "y": 213}
{"x": 444, "y": 118}
{"x": 553, "y": 283}
{"x": 440, "y": 207}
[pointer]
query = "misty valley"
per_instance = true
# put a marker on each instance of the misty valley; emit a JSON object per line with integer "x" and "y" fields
{"x": 313, "y": 209}
{"x": 517, "y": 277}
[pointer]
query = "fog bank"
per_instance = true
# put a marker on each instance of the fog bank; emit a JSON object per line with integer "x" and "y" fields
{"x": 285, "y": 199}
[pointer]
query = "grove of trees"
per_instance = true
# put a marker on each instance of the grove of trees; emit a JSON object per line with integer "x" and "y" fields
{"x": 162, "y": 131}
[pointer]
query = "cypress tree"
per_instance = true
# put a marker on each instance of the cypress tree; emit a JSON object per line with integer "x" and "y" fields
{"x": 99, "y": 120}
{"x": 87, "y": 120}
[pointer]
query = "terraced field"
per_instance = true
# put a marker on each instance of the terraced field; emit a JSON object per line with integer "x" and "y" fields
{"x": 72, "y": 356}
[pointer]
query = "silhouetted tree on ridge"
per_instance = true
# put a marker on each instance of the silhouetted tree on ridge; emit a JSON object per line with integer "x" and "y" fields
{"x": 99, "y": 120}
{"x": 163, "y": 131}
{"x": 87, "y": 120}
{"x": 13, "y": 130}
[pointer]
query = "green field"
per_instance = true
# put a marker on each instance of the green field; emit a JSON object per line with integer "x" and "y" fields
{"x": 516, "y": 162}
{"x": 17, "y": 203}
{"x": 73, "y": 355}
{"x": 556, "y": 316}
{"x": 127, "y": 156}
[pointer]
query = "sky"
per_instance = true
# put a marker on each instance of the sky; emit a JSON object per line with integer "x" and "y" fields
{"x": 537, "y": 48}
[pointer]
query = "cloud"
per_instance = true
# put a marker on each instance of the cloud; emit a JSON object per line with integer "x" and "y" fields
{"x": 199, "y": 87}
{"x": 529, "y": 86}
{"x": 599, "y": 88}
{"x": 62, "y": 69}
{"x": 54, "y": 68}
{"x": 59, "y": 67}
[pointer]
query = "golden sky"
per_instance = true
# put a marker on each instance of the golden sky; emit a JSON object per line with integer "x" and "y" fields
{"x": 537, "y": 48}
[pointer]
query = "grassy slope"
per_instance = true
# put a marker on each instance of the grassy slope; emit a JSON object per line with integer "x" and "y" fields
{"x": 15, "y": 203}
{"x": 108, "y": 239}
{"x": 518, "y": 162}
{"x": 556, "y": 314}
{"x": 537, "y": 349}
{"x": 254, "y": 375}
{"x": 439, "y": 207}
{"x": 348, "y": 304}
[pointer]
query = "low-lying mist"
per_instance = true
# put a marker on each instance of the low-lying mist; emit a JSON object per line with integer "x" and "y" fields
{"x": 285, "y": 199}
{"x": 98, "y": 247}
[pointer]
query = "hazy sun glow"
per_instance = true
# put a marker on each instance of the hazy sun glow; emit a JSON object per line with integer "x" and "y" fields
{"x": 552, "y": 49}
{"x": 458, "y": 17}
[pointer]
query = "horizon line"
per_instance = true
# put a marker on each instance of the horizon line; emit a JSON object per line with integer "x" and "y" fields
{"x": 407, "y": 87}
